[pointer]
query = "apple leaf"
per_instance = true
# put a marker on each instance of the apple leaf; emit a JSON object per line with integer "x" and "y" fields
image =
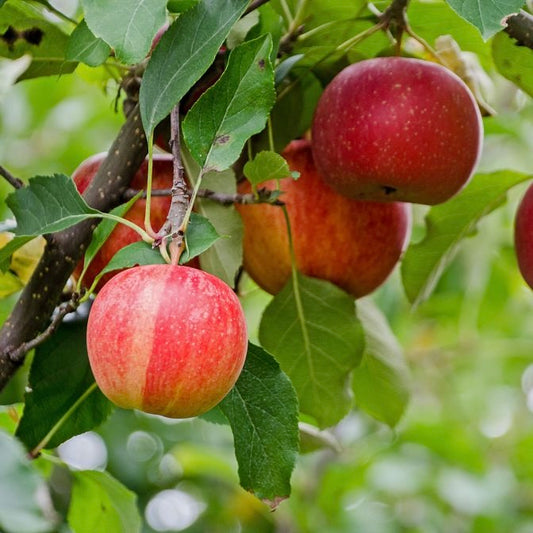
{"x": 262, "y": 409}
{"x": 104, "y": 230}
{"x": 137, "y": 253}
{"x": 381, "y": 382}
{"x": 514, "y": 62}
{"x": 99, "y": 502}
{"x": 48, "y": 204}
{"x": 486, "y": 16}
{"x": 312, "y": 330}
{"x": 183, "y": 54}
{"x": 22, "y": 505}
{"x": 9, "y": 249}
{"x": 233, "y": 109}
{"x": 52, "y": 410}
{"x": 179, "y": 6}
{"x": 46, "y": 47}
{"x": 266, "y": 165}
{"x": 84, "y": 46}
{"x": 447, "y": 225}
{"x": 129, "y": 27}
{"x": 224, "y": 258}
{"x": 199, "y": 237}
{"x": 9, "y": 284}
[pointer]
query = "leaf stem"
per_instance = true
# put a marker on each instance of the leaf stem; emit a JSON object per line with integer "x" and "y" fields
{"x": 287, "y": 12}
{"x": 147, "y": 220}
{"x": 35, "y": 452}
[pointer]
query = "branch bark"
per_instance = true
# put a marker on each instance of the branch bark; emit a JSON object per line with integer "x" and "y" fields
{"x": 31, "y": 314}
{"x": 520, "y": 28}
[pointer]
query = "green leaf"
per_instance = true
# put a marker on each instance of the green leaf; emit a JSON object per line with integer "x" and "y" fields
{"x": 183, "y": 54}
{"x": 487, "y": 15}
{"x": 9, "y": 284}
{"x": 233, "y": 109}
{"x": 9, "y": 249}
{"x": 311, "y": 328}
{"x": 266, "y": 166}
{"x": 48, "y": 204}
{"x": 101, "y": 503}
{"x": 62, "y": 388}
{"x": 263, "y": 413}
{"x": 447, "y": 225}
{"x": 48, "y": 54}
{"x": 224, "y": 258}
{"x": 513, "y": 61}
{"x": 105, "y": 228}
{"x": 179, "y": 6}
{"x": 199, "y": 237}
{"x": 381, "y": 381}
{"x": 137, "y": 253}
{"x": 21, "y": 491}
{"x": 84, "y": 46}
{"x": 128, "y": 26}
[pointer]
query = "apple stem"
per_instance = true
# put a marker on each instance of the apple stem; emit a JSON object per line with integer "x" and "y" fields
{"x": 147, "y": 220}
{"x": 177, "y": 217}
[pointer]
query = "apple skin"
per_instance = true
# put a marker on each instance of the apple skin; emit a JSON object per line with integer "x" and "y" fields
{"x": 523, "y": 236}
{"x": 166, "y": 339}
{"x": 122, "y": 235}
{"x": 353, "y": 244}
{"x": 397, "y": 129}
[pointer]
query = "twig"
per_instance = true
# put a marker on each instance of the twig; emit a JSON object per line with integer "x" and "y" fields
{"x": 264, "y": 196}
{"x": 64, "y": 309}
{"x": 520, "y": 27}
{"x": 254, "y": 5}
{"x": 12, "y": 180}
{"x": 179, "y": 194}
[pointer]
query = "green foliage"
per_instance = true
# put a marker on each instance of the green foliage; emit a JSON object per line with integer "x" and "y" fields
{"x": 48, "y": 54}
{"x": 84, "y": 46}
{"x": 266, "y": 166}
{"x": 381, "y": 381}
{"x": 235, "y": 108}
{"x": 263, "y": 413}
{"x": 183, "y": 54}
{"x": 100, "y": 503}
{"x": 55, "y": 412}
{"x": 128, "y": 28}
{"x": 21, "y": 509}
{"x": 311, "y": 329}
{"x": 447, "y": 225}
{"x": 199, "y": 237}
{"x": 486, "y": 15}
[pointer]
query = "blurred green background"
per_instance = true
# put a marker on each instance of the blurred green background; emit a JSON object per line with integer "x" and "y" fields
{"x": 461, "y": 459}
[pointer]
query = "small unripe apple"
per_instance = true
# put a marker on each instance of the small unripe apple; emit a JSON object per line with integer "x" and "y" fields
{"x": 352, "y": 244}
{"x": 523, "y": 236}
{"x": 169, "y": 340}
{"x": 397, "y": 129}
{"x": 122, "y": 235}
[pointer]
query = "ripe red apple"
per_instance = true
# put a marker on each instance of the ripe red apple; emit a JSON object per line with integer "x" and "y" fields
{"x": 523, "y": 236}
{"x": 122, "y": 235}
{"x": 169, "y": 340}
{"x": 350, "y": 243}
{"x": 399, "y": 129}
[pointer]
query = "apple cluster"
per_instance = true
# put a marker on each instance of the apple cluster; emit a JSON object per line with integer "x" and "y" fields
{"x": 386, "y": 132}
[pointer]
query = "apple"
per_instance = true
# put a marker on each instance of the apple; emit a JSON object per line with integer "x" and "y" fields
{"x": 122, "y": 235}
{"x": 352, "y": 244}
{"x": 397, "y": 129}
{"x": 166, "y": 339}
{"x": 523, "y": 236}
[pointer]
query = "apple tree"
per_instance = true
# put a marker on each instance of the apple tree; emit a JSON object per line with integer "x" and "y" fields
{"x": 285, "y": 190}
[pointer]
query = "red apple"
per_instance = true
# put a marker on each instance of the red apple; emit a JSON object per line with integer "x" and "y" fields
{"x": 399, "y": 129}
{"x": 352, "y": 244}
{"x": 122, "y": 235}
{"x": 523, "y": 236}
{"x": 169, "y": 340}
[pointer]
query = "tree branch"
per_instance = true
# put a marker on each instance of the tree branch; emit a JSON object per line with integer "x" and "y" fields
{"x": 254, "y": 5}
{"x": 12, "y": 180}
{"x": 520, "y": 27}
{"x": 32, "y": 312}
